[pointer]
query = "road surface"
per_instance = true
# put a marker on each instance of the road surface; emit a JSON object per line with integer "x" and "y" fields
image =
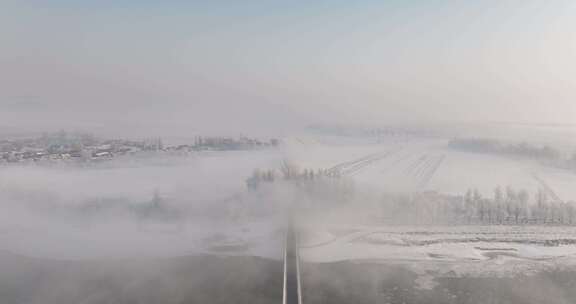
{"x": 291, "y": 269}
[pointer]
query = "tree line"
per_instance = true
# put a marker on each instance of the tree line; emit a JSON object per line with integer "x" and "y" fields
{"x": 523, "y": 149}
{"x": 506, "y": 206}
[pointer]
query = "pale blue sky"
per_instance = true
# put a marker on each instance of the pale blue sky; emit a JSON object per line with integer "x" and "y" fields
{"x": 228, "y": 65}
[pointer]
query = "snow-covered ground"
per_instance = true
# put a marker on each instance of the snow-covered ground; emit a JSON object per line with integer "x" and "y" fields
{"x": 413, "y": 164}
{"x": 438, "y": 243}
{"x": 397, "y": 164}
{"x": 440, "y": 251}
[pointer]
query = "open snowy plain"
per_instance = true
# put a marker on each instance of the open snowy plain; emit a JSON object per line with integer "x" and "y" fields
{"x": 421, "y": 165}
{"x": 49, "y": 212}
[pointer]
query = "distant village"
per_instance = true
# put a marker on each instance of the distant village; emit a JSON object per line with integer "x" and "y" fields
{"x": 82, "y": 147}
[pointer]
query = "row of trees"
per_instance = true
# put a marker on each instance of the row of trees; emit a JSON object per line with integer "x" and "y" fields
{"x": 310, "y": 186}
{"x": 288, "y": 172}
{"x": 517, "y": 207}
{"x": 229, "y": 143}
{"x": 506, "y": 207}
{"x": 522, "y": 149}
{"x": 543, "y": 153}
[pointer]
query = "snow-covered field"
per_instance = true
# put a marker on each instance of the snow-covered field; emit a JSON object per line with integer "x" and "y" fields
{"x": 428, "y": 165}
{"x": 218, "y": 179}
{"x": 446, "y": 251}
{"x": 439, "y": 243}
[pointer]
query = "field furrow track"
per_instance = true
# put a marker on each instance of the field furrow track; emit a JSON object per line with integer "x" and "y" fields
{"x": 415, "y": 165}
{"x": 398, "y": 162}
{"x": 339, "y": 167}
{"x": 355, "y": 169}
{"x": 423, "y": 168}
{"x": 431, "y": 170}
{"x": 426, "y": 165}
{"x": 549, "y": 191}
{"x": 355, "y": 166}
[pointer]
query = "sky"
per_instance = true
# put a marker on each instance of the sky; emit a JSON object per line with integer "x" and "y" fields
{"x": 257, "y": 67}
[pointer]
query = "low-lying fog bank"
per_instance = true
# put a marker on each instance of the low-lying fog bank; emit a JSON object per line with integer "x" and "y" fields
{"x": 244, "y": 279}
{"x": 198, "y": 279}
{"x": 145, "y": 208}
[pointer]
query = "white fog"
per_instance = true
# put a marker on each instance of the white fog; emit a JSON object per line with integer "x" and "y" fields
{"x": 287, "y": 152}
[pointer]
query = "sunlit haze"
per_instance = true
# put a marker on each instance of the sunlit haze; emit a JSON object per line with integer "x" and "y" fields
{"x": 170, "y": 66}
{"x": 294, "y": 152}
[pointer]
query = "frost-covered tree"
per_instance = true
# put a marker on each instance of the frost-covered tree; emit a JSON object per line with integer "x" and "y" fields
{"x": 520, "y": 205}
{"x": 497, "y": 210}
{"x": 540, "y": 212}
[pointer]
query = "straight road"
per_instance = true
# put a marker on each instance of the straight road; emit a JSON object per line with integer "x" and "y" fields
{"x": 291, "y": 269}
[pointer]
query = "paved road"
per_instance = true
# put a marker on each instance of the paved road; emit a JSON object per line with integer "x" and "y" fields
{"x": 291, "y": 269}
